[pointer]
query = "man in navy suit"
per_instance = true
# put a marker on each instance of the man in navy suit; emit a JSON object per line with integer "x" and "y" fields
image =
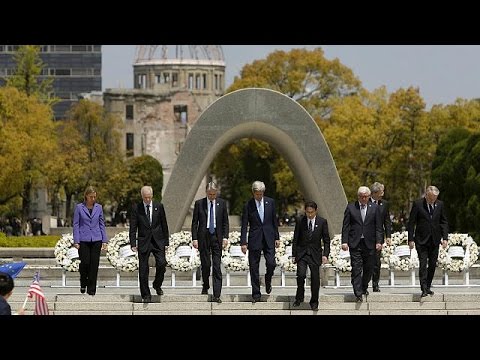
{"x": 259, "y": 219}
{"x": 148, "y": 217}
{"x": 378, "y": 191}
{"x": 209, "y": 235}
{"x": 307, "y": 250}
{"x": 427, "y": 227}
{"x": 362, "y": 234}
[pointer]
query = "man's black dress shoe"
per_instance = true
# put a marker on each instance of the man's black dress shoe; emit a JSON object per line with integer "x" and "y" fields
{"x": 376, "y": 289}
{"x": 314, "y": 306}
{"x": 82, "y": 290}
{"x": 204, "y": 292}
{"x": 217, "y": 300}
{"x": 296, "y": 303}
{"x": 147, "y": 299}
{"x": 159, "y": 291}
{"x": 358, "y": 299}
{"x": 268, "y": 288}
{"x": 424, "y": 294}
{"x": 254, "y": 300}
{"x": 430, "y": 292}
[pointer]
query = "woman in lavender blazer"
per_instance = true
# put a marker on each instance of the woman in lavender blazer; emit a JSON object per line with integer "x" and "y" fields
{"x": 89, "y": 237}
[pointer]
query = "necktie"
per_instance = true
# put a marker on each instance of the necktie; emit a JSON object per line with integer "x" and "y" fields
{"x": 310, "y": 230}
{"x": 430, "y": 209}
{"x": 362, "y": 212}
{"x": 148, "y": 215}
{"x": 260, "y": 210}
{"x": 211, "y": 224}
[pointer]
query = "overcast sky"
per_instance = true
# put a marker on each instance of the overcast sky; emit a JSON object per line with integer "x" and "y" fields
{"x": 442, "y": 72}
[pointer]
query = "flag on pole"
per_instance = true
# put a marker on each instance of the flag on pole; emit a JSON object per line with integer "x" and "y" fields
{"x": 12, "y": 269}
{"x": 41, "y": 307}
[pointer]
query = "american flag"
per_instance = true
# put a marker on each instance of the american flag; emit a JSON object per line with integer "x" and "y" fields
{"x": 41, "y": 307}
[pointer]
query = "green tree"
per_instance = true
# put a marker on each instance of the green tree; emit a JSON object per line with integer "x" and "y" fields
{"x": 456, "y": 171}
{"x": 28, "y": 76}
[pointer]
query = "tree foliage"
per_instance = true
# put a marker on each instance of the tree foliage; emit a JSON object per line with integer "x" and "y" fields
{"x": 28, "y": 77}
{"x": 456, "y": 170}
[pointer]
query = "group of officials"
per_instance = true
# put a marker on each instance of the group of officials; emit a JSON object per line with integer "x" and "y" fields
{"x": 366, "y": 223}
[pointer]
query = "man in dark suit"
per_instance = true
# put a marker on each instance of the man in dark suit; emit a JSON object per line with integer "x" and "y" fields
{"x": 259, "y": 214}
{"x": 378, "y": 190}
{"x": 362, "y": 234}
{"x": 307, "y": 250}
{"x": 209, "y": 234}
{"x": 149, "y": 219}
{"x": 427, "y": 227}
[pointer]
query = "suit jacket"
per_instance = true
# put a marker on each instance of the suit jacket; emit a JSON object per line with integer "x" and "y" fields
{"x": 421, "y": 226}
{"x": 353, "y": 226}
{"x": 258, "y": 230}
{"x": 5, "y": 308}
{"x": 302, "y": 246}
{"x": 158, "y": 230}
{"x": 383, "y": 207}
{"x": 88, "y": 227}
{"x": 199, "y": 221}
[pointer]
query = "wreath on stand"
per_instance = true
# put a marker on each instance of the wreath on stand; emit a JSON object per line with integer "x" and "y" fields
{"x": 232, "y": 257}
{"x": 460, "y": 253}
{"x": 283, "y": 254}
{"x": 339, "y": 258}
{"x": 66, "y": 255}
{"x": 398, "y": 255}
{"x": 120, "y": 254}
{"x": 180, "y": 254}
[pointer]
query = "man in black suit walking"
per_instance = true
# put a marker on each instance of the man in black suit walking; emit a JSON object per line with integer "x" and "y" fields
{"x": 427, "y": 227}
{"x": 307, "y": 250}
{"x": 209, "y": 234}
{"x": 362, "y": 234}
{"x": 149, "y": 219}
{"x": 259, "y": 214}
{"x": 378, "y": 190}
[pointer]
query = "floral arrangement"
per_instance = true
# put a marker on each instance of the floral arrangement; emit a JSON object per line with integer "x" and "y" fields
{"x": 446, "y": 262}
{"x": 234, "y": 263}
{"x": 183, "y": 263}
{"x": 403, "y": 263}
{"x": 281, "y": 257}
{"x": 61, "y": 252}
{"x": 124, "y": 263}
{"x": 341, "y": 263}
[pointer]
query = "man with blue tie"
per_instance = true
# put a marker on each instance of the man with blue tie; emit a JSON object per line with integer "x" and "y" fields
{"x": 209, "y": 235}
{"x": 260, "y": 221}
{"x": 149, "y": 219}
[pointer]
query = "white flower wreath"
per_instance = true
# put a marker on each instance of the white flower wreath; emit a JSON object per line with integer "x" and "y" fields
{"x": 339, "y": 259}
{"x": 230, "y": 262}
{"x": 283, "y": 258}
{"x": 119, "y": 253}
{"x": 182, "y": 263}
{"x": 65, "y": 254}
{"x": 392, "y": 258}
{"x": 447, "y": 262}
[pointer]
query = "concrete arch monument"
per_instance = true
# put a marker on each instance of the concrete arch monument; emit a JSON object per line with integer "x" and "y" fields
{"x": 269, "y": 116}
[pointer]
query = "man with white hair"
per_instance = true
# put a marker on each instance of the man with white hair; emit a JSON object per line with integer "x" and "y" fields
{"x": 260, "y": 221}
{"x": 427, "y": 227}
{"x": 362, "y": 234}
{"x": 148, "y": 217}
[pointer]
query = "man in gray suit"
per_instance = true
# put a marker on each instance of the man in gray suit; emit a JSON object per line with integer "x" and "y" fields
{"x": 362, "y": 234}
{"x": 209, "y": 234}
